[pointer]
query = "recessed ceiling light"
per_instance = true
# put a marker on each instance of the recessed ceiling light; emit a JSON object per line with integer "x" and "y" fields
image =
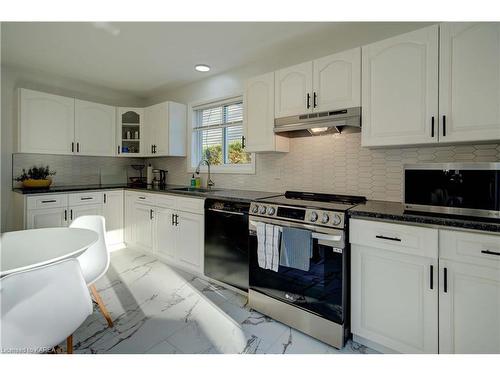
{"x": 202, "y": 67}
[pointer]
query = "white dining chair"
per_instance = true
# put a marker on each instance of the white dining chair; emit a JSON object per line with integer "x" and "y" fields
{"x": 42, "y": 306}
{"x": 95, "y": 260}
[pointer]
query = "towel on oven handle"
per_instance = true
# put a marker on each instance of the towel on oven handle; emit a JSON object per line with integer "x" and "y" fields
{"x": 296, "y": 248}
{"x": 268, "y": 245}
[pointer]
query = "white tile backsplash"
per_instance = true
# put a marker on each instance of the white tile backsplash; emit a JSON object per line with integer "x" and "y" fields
{"x": 74, "y": 170}
{"x": 335, "y": 164}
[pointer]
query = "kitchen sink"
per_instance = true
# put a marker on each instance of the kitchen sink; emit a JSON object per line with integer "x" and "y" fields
{"x": 194, "y": 189}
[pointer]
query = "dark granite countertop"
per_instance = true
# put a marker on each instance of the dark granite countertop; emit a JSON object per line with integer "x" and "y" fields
{"x": 227, "y": 194}
{"x": 394, "y": 211}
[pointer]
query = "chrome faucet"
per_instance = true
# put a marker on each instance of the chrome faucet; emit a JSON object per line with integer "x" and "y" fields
{"x": 210, "y": 183}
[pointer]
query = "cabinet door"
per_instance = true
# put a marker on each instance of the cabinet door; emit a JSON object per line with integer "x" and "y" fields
{"x": 393, "y": 301}
{"x": 293, "y": 90}
{"x": 87, "y": 209}
{"x": 156, "y": 130}
{"x": 165, "y": 234}
{"x": 189, "y": 240}
{"x": 128, "y": 218}
{"x": 132, "y": 139}
{"x": 112, "y": 210}
{"x": 47, "y": 218}
{"x": 400, "y": 89}
{"x": 337, "y": 81}
{"x": 469, "y": 308}
{"x": 469, "y": 82}
{"x": 95, "y": 126}
{"x": 143, "y": 226}
{"x": 259, "y": 116}
{"x": 46, "y": 123}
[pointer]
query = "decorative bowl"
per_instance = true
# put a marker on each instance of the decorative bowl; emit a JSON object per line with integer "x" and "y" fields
{"x": 37, "y": 184}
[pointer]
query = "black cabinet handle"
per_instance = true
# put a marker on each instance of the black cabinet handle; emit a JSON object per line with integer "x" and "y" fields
{"x": 444, "y": 125}
{"x": 432, "y": 277}
{"x": 173, "y": 219}
{"x": 151, "y": 214}
{"x": 142, "y": 197}
{"x": 314, "y": 100}
{"x": 72, "y": 146}
{"x": 445, "y": 286}
{"x": 65, "y": 215}
{"x": 243, "y": 141}
{"x": 490, "y": 252}
{"x": 389, "y": 238}
{"x": 308, "y": 101}
{"x": 118, "y": 149}
{"x": 176, "y": 219}
{"x": 50, "y": 201}
{"x": 86, "y": 198}
{"x": 432, "y": 126}
{"x": 71, "y": 214}
{"x": 151, "y": 148}
{"x": 104, "y": 197}
{"x": 77, "y": 146}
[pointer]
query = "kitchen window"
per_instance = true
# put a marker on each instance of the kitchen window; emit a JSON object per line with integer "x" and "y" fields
{"x": 217, "y": 136}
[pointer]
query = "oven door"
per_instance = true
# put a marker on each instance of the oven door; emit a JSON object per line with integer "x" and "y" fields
{"x": 322, "y": 290}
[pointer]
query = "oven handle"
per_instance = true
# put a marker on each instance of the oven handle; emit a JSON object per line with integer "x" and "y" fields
{"x": 319, "y": 236}
{"x": 226, "y": 212}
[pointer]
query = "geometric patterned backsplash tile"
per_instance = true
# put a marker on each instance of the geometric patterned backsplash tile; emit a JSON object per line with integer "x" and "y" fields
{"x": 75, "y": 170}
{"x": 329, "y": 164}
{"x": 336, "y": 164}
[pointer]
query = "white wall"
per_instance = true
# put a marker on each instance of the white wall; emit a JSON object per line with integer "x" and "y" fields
{"x": 14, "y": 78}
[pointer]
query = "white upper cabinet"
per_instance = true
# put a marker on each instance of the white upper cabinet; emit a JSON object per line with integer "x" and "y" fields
{"x": 46, "y": 123}
{"x": 293, "y": 90}
{"x": 337, "y": 81}
{"x": 165, "y": 130}
{"x": 258, "y": 117}
{"x": 95, "y": 126}
{"x": 400, "y": 89}
{"x": 469, "y": 87}
{"x": 130, "y": 131}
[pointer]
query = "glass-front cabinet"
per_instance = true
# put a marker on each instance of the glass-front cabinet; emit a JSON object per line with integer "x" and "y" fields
{"x": 130, "y": 130}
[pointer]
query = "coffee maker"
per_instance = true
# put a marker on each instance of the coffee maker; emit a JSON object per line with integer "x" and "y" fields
{"x": 159, "y": 178}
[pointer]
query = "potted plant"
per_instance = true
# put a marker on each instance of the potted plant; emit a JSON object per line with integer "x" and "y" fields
{"x": 36, "y": 177}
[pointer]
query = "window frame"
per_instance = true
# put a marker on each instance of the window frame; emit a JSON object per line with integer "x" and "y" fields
{"x": 193, "y": 142}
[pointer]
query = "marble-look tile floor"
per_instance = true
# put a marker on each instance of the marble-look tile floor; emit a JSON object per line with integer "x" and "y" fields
{"x": 159, "y": 309}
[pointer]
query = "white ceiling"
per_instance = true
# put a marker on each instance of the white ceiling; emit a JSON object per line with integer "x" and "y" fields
{"x": 143, "y": 57}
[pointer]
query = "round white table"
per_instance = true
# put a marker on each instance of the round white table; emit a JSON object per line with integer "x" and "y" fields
{"x": 26, "y": 249}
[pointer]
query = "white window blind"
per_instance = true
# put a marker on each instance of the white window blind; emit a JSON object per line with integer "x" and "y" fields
{"x": 218, "y": 129}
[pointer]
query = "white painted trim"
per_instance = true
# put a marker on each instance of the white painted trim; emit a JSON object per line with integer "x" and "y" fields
{"x": 226, "y": 169}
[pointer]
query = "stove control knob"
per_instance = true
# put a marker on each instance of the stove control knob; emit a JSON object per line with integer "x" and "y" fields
{"x": 262, "y": 210}
{"x": 255, "y": 209}
{"x": 336, "y": 219}
{"x": 270, "y": 210}
{"x": 325, "y": 218}
{"x": 314, "y": 216}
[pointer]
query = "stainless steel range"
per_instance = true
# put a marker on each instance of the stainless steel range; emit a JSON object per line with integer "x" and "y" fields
{"x": 310, "y": 292}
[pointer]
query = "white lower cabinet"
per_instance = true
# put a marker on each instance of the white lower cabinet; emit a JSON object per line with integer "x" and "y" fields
{"x": 162, "y": 225}
{"x": 394, "y": 294}
{"x": 189, "y": 239}
{"x": 112, "y": 210}
{"x": 143, "y": 226}
{"x": 469, "y": 293}
{"x": 46, "y": 218}
{"x": 398, "y": 298}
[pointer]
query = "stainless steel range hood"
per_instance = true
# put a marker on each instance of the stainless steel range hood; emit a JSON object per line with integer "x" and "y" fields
{"x": 340, "y": 121}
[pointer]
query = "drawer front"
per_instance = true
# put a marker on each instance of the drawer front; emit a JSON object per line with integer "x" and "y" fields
{"x": 406, "y": 239}
{"x": 77, "y": 199}
{"x": 47, "y": 201}
{"x": 166, "y": 201}
{"x": 468, "y": 247}
{"x": 143, "y": 198}
{"x": 194, "y": 205}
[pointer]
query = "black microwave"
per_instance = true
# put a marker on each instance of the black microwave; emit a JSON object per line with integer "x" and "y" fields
{"x": 467, "y": 189}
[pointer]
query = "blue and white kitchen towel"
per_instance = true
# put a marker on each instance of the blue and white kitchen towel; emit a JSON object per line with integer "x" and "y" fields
{"x": 296, "y": 248}
{"x": 268, "y": 245}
